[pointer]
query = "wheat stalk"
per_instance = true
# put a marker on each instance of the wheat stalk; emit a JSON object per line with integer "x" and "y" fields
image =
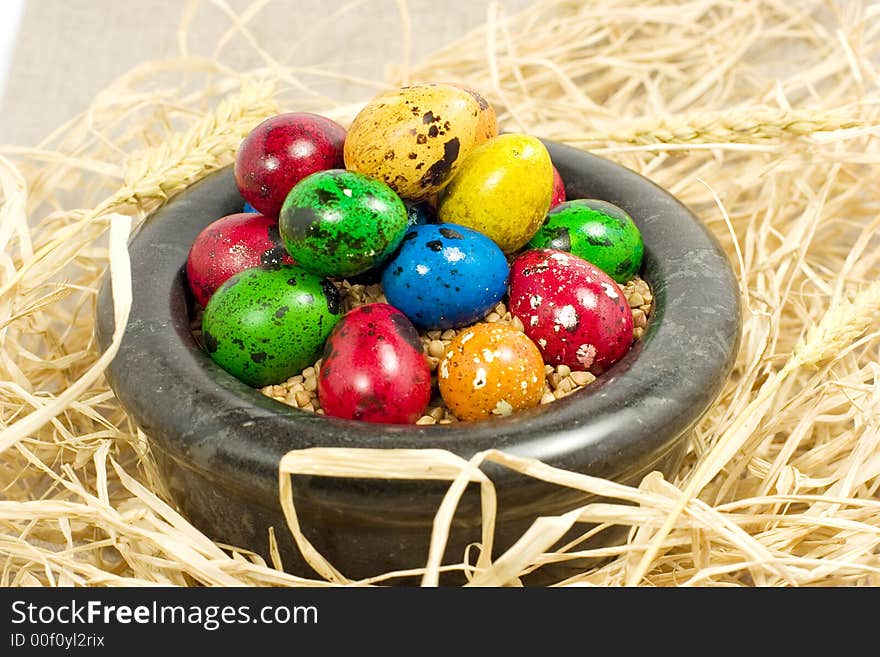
{"x": 839, "y": 327}
{"x": 744, "y": 125}
{"x": 154, "y": 175}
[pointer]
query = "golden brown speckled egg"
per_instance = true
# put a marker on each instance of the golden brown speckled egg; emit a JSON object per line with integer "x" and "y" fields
{"x": 490, "y": 369}
{"x": 502, "y": 190}
{"x": 488, "y": 126}
{"x": 414, "y": 138}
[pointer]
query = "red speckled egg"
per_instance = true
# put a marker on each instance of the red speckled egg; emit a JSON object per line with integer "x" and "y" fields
{"x": 575, "y": 313}
{"x": 283, "y": 150}
{"x": 558, "y": 190}
{"x": 374, "y": 368}
{"x": 230, "y": 245}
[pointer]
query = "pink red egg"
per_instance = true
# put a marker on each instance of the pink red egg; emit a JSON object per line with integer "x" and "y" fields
{"x": 230, "y": 245}
{"x": 283, "y": 150}
{"x": 558, "y": 195}
{"x": 575, "y": 313}
{"x": 374, "y": 368}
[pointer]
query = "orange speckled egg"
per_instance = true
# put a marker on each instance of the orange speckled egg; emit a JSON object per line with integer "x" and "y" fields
{"x": 490, "y": 369}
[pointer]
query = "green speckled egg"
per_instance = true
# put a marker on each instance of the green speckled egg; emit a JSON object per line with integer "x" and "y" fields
{"x": 597, "y": 231}
{"x": 415, "y": 138}
{"x": 502, "y": 190}
{"x": 341, "y": 223}
{"x": 267, "y": 323}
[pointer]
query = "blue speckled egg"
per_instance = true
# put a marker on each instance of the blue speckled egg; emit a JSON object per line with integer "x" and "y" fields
{"x": 420, "y": 212}
{"x": 247, "y": 207}
{"x": 445, "y": 276}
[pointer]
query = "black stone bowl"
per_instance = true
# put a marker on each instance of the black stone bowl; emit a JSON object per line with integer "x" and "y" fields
{"x": 218, "y": 442}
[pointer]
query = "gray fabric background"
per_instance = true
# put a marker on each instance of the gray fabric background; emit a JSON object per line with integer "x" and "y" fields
{"x": 67, "y": 50}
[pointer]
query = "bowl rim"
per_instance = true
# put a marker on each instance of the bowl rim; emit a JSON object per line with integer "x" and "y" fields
{"x": 199, "y": 414}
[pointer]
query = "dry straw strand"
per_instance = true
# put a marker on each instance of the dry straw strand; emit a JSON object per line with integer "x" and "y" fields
{"x": 837, "y": 330}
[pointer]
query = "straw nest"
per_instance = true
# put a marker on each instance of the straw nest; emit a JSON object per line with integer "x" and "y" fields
{"x": 780, "y": 161}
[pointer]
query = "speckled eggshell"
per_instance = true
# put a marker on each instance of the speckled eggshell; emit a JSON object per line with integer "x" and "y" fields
{"x": 490, "y": 369}
{"x": 341, "y": 223}
{"x": 280, "y": 152}
{"x": 267, "y": 323}
{"x": 597, "y": 231}
{"x": 230, "y": 245}
{"x": 445, "y": 276}
{"x": 502, "y": 190}
{"x": 558, "y": 195}
{"x": 414, "y": 138}
{"x": 488, "y": 124}
{"x": 374, "y": 368}
{"x": 575, "y": 313}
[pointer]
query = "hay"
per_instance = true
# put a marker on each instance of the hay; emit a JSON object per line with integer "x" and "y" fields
{"x": 762, "y": 116}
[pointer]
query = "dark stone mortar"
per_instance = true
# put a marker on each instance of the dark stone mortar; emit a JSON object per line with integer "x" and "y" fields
{"x": 218, "y": 442}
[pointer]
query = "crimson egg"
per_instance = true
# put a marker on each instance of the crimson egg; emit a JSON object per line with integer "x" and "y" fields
{"x": 575, "y": 313}
{"x": 374, "y": 368}
{"x": 283, "y": 150}
{"x": 558, "y": 195}
{"x": 230, "y": 245}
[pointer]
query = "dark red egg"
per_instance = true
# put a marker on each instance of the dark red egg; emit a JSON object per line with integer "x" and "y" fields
{"x": 374, "y": 368}
{"x": 558, "y": 190}
{"x": 283, "y": 150}
{"x": 575, "y": 313}
{"x": 230, "y": 245}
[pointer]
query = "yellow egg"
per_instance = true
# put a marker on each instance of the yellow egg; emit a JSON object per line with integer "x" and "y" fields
{"x": 415, "y": 138}
{"x": 502, "y": 189}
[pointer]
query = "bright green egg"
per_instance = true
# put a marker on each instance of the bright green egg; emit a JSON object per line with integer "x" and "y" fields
{"x": 267, "y": 323}
{"x": 341, "y": 223}
{"x": 597, "y": 231}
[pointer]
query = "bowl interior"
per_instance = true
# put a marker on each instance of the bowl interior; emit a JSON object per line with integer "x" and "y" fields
{"x": 636, "y": 410}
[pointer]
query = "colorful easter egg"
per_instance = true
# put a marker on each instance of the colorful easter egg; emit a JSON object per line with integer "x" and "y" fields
{"x": 247, "y": 208}
{"x": 596, "y": 231}
{"x": 229, "y": 245}
{"x": 487, "y": 127}
{"x": 575, "y": 313}
{"x": 558, "y": 195}
{"x": 283, "y": 150}
{"x": 267, "y": 323}
{"x": 374, "y": 368}
{"x": 490, "y": 369}
{"x": 415, "y": 138}
{"x": 502, "y": 190}
{"x": 341, "y": 223}
{"x": 445, "y": 276}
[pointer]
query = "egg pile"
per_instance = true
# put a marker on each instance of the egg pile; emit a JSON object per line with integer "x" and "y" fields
{"x": 418, "y": 268}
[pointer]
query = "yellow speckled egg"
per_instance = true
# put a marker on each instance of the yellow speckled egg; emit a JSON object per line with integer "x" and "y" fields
{"x": 488, "y": 125}
{"x": 415, "y": 138}
{"x": 490, "y": 369}
{"x": 502, "y": 189}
